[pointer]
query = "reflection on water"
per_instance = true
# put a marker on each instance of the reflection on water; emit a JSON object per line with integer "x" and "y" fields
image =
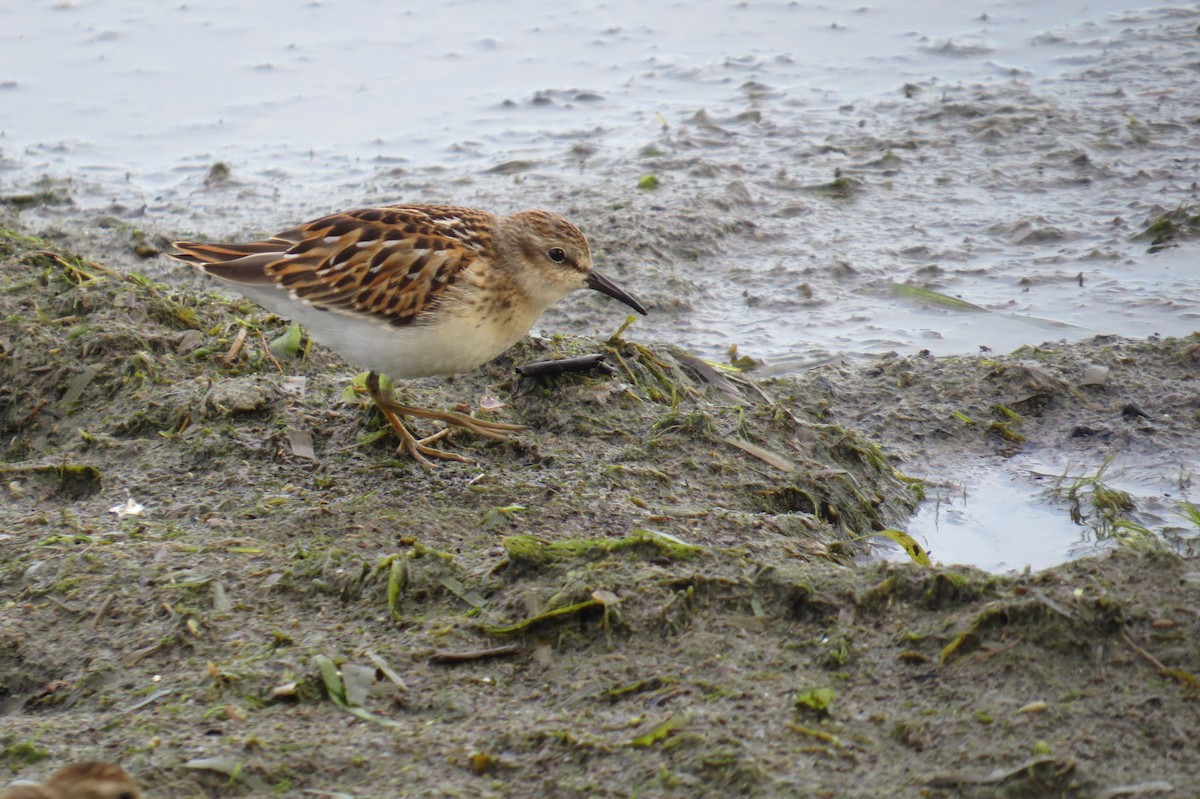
{"x": 998, "y": 522}
{"x": 1006, "y": 517}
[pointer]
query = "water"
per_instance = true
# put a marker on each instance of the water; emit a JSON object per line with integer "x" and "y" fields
{"x": 997, "y": 522}
{"x": 1017, "y": 515}
{"x": 137, "y": 95}
{"x": 141, "y": 88}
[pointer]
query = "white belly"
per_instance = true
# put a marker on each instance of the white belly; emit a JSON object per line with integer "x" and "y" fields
{"x": 454, "y": 344}
{"x": 449, "y": 347}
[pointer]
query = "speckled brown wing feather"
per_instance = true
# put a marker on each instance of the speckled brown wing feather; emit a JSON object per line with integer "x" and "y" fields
{"x": 391, "y": 263}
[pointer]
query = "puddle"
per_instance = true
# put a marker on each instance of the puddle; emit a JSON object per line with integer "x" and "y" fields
{"x": 1010, "y": 517}
{"x": 998, "y": 522}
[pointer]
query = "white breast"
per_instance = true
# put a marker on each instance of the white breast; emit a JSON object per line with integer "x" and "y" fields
{"x": 453, "y": 344}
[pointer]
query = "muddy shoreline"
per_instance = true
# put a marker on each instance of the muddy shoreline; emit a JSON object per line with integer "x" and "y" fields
{"x": 656, "y": 590}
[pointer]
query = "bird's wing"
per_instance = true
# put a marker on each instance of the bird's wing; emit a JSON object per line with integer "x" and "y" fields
{"x": 391, "y": 263}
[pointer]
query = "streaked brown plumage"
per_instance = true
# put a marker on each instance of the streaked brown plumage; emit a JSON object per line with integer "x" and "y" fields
{"x": 89, "y": 780}
{"x": 413, "y": 290}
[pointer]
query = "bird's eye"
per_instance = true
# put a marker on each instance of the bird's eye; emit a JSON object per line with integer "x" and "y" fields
{"x": 556, "y": 254}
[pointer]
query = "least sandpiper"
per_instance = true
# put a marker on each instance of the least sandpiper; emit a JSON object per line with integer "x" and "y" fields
{"x": 413, "y": 290}
{"x": 91, "y": 780}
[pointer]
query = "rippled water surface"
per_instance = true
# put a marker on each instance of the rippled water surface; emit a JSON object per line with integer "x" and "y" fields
{"x": 810, "y": 157}
{"x": 141, "y": 88}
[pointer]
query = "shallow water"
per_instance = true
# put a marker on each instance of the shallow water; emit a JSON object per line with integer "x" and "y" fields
{"x": 1016, "y": 515}
{"x": 995, "y": 522}
{"x": 1007, "y": 153}
{"x": 143, "y": 88}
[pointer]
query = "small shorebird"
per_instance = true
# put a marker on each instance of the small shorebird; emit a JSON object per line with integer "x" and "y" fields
{"x": 413, "y": 290}
{"x": 90, "y": 780}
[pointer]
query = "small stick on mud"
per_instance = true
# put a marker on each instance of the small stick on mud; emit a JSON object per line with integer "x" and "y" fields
{"x": 266, "y": 348}
{"x": 236, "y": 347}
{"x": 553, "y": 368}
{"x": 102, "y": 611}
{"x": 991, "y": 653}
{"x": 62, "y": 604}
{"x": 1157, "y": 663}
{"x": 1043, "y": 768}
{"x": 1066, "y": 613}
{"x": 443, "y": 656}
{"x": 762, "y": 453}
{"x": 29, "y": 417}
{"x": 78, "y": 272}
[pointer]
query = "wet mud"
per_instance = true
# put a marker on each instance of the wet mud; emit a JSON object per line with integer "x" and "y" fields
{"x": 214, "y": 570}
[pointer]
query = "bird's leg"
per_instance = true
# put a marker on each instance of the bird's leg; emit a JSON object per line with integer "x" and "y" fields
{"x": 418, "y": 449}
{"x": 392, "y": 410}
{"x": 496, "y": 431}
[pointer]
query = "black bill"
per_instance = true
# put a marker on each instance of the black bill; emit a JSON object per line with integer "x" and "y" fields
{"x": 600, "y": 283}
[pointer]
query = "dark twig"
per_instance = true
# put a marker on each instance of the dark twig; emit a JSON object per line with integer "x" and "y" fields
{"x": 444, "y": 656}
{"x": 553, "y": 368}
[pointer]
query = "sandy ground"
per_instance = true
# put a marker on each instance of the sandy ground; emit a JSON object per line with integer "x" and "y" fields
{"x": 214, "y": 570}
